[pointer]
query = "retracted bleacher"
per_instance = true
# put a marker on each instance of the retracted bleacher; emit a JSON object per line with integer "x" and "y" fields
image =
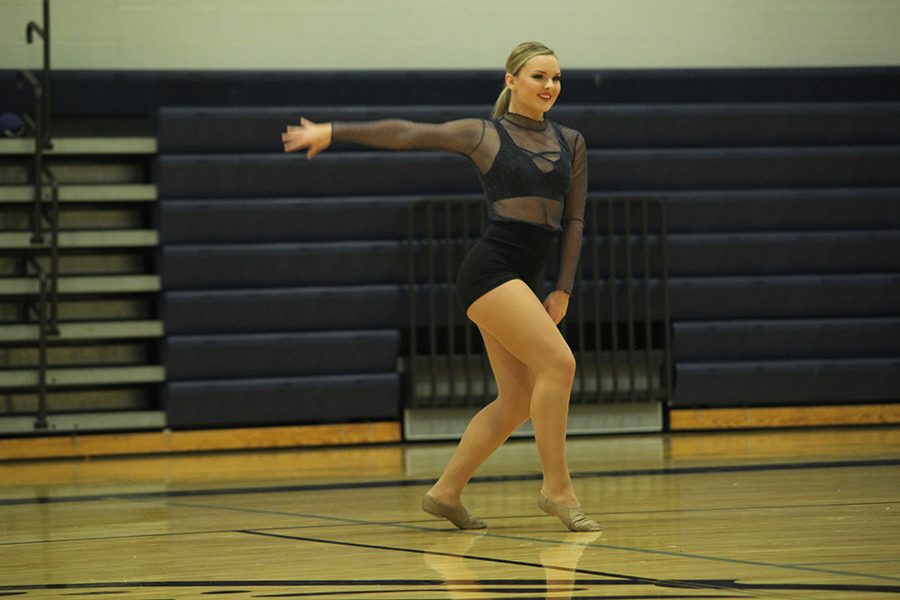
{"x": 785, "y": 270}
{"x": 284, "y": 278}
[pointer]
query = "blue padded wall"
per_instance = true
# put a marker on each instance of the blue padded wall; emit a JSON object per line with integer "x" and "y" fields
{"x": 285, "y": 279}
{"x": 134, "y": 92}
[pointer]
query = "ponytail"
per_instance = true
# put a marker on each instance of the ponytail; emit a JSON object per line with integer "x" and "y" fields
{"x": 502, "y": 104}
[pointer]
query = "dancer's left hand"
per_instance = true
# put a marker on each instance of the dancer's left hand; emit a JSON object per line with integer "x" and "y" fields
{"x": 556, "y": 305}
{"x": 309, "y": 136}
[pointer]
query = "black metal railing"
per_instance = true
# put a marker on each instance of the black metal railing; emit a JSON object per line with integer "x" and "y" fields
{"x": 622, "y": 316}
{"x": 42, "y": 112}
{"x": 46, "y": 305}
{"x": 40, "y": 310}
{"x": 447, "y": 365}
{"x": 40, "y": 124}
{"x": 618, "y": 324}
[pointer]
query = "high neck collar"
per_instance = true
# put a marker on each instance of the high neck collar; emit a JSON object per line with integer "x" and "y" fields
{"x": 525, "y": 122}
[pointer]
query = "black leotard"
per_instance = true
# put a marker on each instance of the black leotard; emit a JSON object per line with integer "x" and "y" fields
{"x": 534, "y": 174}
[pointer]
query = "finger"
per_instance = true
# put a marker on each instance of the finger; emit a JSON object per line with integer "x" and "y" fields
{"x": 306, "y": 122}
{"x": 293, "y": 142}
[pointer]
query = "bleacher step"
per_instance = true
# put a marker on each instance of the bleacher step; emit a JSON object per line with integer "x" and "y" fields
{"x": 252, "y": 128}
{"x": 127, "y": 192}
{"x": 108, "y": 284}
{"x": 83, "y": 145}
{"x": 86, "y": 331}
{"x": 224, "y": 402}
{"x": 135, "y": 238}
{"x": 789, "y": 382}
{"x": 81, "y": 422}
{"x": 786, "y": 339}
{"x": 237, "y": 356}
{"x": 83, "y": 377}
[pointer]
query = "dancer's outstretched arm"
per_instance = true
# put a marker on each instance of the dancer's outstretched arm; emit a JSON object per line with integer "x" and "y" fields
{"x": 462, "y": 136}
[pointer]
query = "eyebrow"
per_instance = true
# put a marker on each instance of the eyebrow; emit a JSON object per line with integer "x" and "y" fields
{"x": 543, "y": 71}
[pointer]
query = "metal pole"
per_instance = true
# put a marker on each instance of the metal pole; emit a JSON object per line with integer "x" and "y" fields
{"x": 582, "y": 351}
{"x": 432, "y": 301}
{"x": 451, "y": 337}
{"x": 413, "y": 324}
{"x": 613, "y": 308}
{"x": 667, "y": 312}
{"x": 629, "y": 298}
{"x": 485, "y": 364}
{"x": 54, "y": 254}
{"x": 45, "y": 141}
{"x": 598, "y": 336}
{"x": 41, "y": 420}
{"x": 37, "y": 224}
{"x": 645, "y": 270}
{"x": 467, "y": 327}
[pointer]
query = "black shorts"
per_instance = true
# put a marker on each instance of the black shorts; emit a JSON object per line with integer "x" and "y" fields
{"x": 507, "y": 251}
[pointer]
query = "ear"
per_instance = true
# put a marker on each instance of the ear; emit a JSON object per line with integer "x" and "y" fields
{"x": 510, "y": 81}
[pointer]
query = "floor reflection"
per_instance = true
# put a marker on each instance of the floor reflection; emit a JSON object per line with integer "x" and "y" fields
{"x": 455, "y": 555}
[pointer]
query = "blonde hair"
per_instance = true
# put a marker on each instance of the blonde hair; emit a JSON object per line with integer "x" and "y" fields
{"x": 520, "y": 55}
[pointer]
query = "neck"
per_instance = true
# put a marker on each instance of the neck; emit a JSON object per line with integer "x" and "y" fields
{"x": 534, "y": 115}
{"x": 524, "y": 121}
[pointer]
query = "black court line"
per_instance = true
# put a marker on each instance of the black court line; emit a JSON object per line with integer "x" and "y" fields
{"x": 418, "y": 585}
{"x": 353, "y": 485}
{"x": 415, "y": 586}
{"x": 618, "y": 577}
{"x": 723, "y": 585}
{"x": 614, "y": 579}
{"x": 521, "y": 538}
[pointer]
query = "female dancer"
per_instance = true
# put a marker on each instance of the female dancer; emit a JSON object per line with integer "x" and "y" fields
{"x": 534, "y": 174}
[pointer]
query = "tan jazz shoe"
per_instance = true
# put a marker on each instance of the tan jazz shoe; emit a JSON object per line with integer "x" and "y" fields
{"x": 458, "y": 515}
{"x": 571, "y": 516}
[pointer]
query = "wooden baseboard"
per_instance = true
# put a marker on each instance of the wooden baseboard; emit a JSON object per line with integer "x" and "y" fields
{"x": 794, "y": 416}
{"x": 167, "y": 442}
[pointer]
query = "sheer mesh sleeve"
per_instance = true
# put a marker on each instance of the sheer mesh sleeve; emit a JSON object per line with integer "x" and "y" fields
{"x": 573, "y": 219}
{"x": 462, "y": 136}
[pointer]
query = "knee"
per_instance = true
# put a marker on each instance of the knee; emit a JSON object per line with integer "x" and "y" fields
{"x": 560, "y": 364}
{"x": 567, "y": 365}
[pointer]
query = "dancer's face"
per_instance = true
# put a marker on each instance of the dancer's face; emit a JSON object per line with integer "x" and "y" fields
{"x": 536, "y": 87}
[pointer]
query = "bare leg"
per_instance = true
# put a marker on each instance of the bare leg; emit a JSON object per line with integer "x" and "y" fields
{"x": 516, "y": 318}
{"x": 491, "y": 426}
{"x": 528, "y": 354}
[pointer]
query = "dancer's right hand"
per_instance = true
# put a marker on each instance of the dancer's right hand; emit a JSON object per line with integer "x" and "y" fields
{"x": 308, "y": 136}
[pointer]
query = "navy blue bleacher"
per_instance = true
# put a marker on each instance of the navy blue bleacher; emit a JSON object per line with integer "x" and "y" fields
{"x": 131, "y": 92}
{"x": 783, "y": 208}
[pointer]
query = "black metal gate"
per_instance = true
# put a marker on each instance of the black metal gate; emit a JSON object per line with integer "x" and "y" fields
{"x": 618, "y": 324}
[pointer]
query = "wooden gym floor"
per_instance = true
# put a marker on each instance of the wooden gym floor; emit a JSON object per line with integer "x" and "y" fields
{"x": 790, "y": 514}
